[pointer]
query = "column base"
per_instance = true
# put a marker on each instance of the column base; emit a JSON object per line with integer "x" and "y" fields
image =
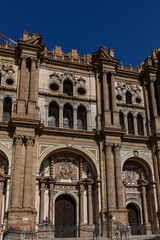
{"x": 86, "y": 230}
{"x": 118, "y": 215}
{"x": 32, "y": 111}
{"x": 21, "y": 108}
{"x": 21, "y": 218}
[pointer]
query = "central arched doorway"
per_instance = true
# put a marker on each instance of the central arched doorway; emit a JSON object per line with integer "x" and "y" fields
{"x": 133, "y": 219}
{"x": 65, "y": 218}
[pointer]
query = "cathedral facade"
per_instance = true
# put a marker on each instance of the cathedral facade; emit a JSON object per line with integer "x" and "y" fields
{"x": 79, "y": 138}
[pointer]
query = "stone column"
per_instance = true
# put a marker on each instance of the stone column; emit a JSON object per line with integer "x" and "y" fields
{"x": 119, "y": 187}
{"x": 27, "y": 201}
{"x": 75, "y": 117}
{"x": 1, "y": 200}
{"x": 144, "y": 125}
{"x": 135, "y": 123}
{"x": 1, "y": 108}
{"x": 147, "y": 107}
{"x": 61, "y": 117}
{"x": 22, "y": 79}
{"x": 46, "y": 115}
{"x": 110, "y": 177}
{"x": 89, "y": 120}
{"x": 80, "y": 168}
{"x": 32, "y": 80}
{"x": 98, "y": 93}
{"x": 18, "y": 141}
{"x": 105, "y": 92}
{"x": 113, "y": 91}
{"x": 125, "y": 121}
{"x": 13, "y": 107}
{"x": 41, "y": 218}
{"x": 81, "y": 206}
{"x": 153, "y": 100}
{"x": 144, "y": 200}
{"x": 90, "y": 208}
{"x": 51, "y": 202}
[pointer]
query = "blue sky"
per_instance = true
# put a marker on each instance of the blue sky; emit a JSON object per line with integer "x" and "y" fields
{"x": 132, "y": 28}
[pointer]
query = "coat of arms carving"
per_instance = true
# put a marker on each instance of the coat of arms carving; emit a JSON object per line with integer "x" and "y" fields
{"x": 66, "y": 169}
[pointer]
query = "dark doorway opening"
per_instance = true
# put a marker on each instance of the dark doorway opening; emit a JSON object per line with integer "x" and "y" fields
{"x": 65, "y": 216}
{"x": 133, "y": 219}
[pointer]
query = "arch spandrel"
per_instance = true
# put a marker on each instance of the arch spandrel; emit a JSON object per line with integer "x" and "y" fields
{"x": 84, "y": 152}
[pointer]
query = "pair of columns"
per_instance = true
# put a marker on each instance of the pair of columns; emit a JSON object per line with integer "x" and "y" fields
{"x": 114, "y": 176}
{"x": 109, "y": 99}
{"x": 89, "y": 204}
{"x": 22, "y": 85}
{"x": 21, "y": 193}
{"x": 42, "y": 192}
{"x": 125, "y": 114}
{"x": 144, "y": 204}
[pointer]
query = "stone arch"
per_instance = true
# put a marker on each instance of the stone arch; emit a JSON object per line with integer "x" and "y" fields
{"x": 75, "y": 198}
{"x": 69, "y": 77}
{"x": 7, "y": 154}
{"x": 142, "y": 158}
{"x": 89, "y": 157}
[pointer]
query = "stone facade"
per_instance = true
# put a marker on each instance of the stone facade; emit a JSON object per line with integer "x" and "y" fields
{"x": 77, "y": 128}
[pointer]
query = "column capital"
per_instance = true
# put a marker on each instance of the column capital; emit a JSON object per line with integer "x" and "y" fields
{"x": 81, "y": 188}
{"x": 117, "y": 147}
{"x": 109, "y": 146}
{"x": 143, "y": 191}
{"x": 89, "y": 188}
{"x": 18, "y": 139}
{"x": 30, "y": 141}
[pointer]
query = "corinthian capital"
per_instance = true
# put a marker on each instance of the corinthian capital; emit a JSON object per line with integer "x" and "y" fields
{"x": 18, "y": 139}
{"x": 117, "y": 147}
{"x": 30, "y": 141}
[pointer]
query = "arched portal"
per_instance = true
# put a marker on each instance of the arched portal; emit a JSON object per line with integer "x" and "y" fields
{"x": 138, "y": 189}
{"x": 133, "y": 218}
{"x": 69, "y": 179}
{"x": 65, "y": 215}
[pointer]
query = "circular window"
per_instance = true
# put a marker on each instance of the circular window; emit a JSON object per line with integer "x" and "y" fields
{"x": 9, "y": 81}
{"x": 81, "y": 91}
{"x": 138, "y": 100}
{"x": 54, "y": 87}
{"x": 119, "y": 97}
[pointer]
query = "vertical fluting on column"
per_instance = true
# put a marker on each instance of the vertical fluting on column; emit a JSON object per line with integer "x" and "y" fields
{"x": 46, "y": 114}
{"x": 61, "y": 117}
{"x": 22, "y": 79}
{"x": 18, "y": 141}
{"x": 110, "y": 176}
{"x": 32, "y": 80}
{"x": 90, "y": 207}
{"x": 147, "y": 106}
{"x": 51, "y": 190}
{"x": 1, "y": 200}
{"x": 153, "y": 100}
{"x": 135, "y": 123}
{"x": 41, "y": 218}
{"x": 1, "y": 108}
{"x": 27, "y": 199}
{"x": 144, "y": 200}
{"x": 105, "y": 92}
{"x": 113, "y": 91}
{"x": 125, "y": 114}
{"x": 81, "y": 207}
{"x": 119, "y": 187}
{"x": 98, "y": 93}
{"x": 75, "y": 117}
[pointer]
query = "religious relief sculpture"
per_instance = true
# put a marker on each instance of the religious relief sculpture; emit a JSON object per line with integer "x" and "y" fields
{"x": 66, "y": 169}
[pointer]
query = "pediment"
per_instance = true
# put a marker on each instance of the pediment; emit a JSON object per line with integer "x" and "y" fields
{"x": 104, "y": 54}
{"x": 37, "y": 40}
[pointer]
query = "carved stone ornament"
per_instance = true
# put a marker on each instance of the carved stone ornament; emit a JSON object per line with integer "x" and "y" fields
{"x": 66, "y": 169}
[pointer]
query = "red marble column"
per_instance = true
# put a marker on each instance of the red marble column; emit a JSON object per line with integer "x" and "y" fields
{"x": 90, "y": 207}
{"x": 144, "y": 200}
{"x": 81, "y": 207}
{"x": 1, "y": 200}
{"x": 51, "y": 190}
{"x": 42, "y": 203}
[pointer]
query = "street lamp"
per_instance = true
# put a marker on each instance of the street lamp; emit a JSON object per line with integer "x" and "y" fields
{"x": 111, "y": 217}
